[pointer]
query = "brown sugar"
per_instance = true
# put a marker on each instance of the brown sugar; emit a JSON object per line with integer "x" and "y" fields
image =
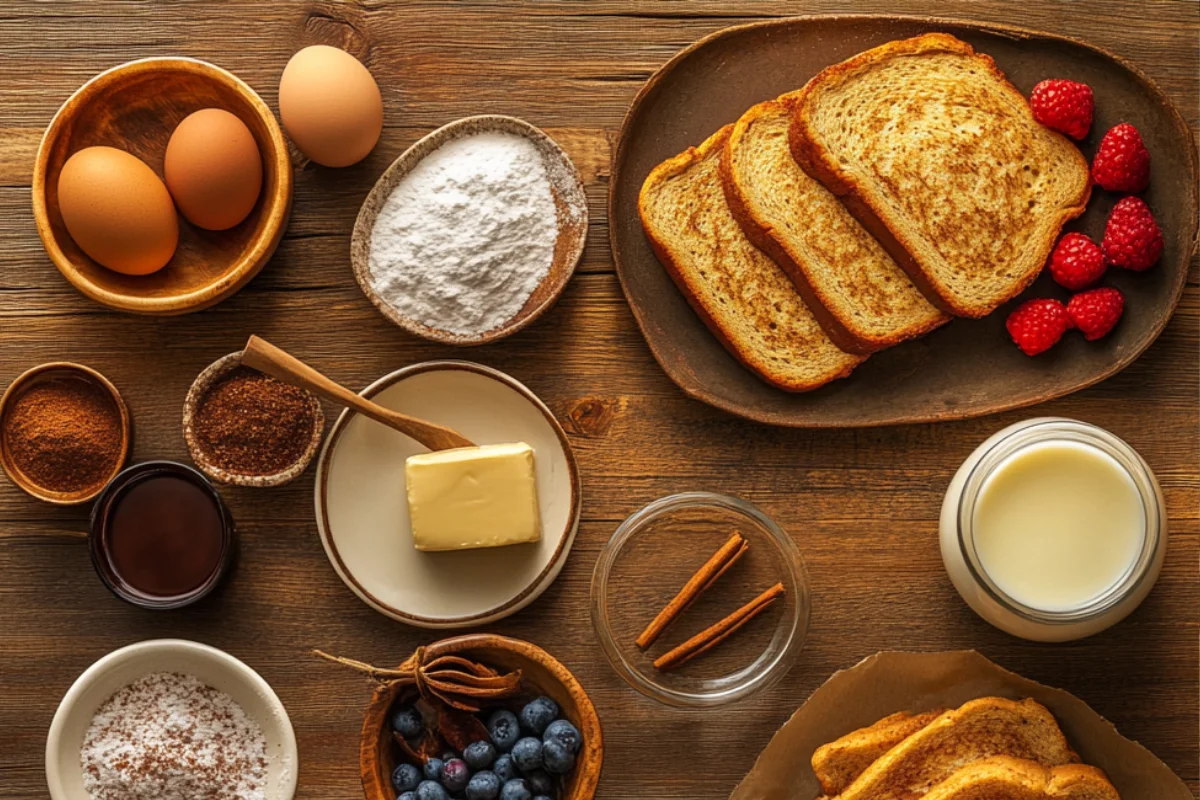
{"x": 249, "y": 423}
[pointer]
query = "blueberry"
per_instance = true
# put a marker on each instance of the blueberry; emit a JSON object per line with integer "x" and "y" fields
{"x": 565, "y": 734}
{"x": 558, "y": 758}
{"x": 538, "y": 714}
{"x": 407, "y": 722}
{"x": 405, "y": 778}
{"x": 429, "y": 790}
{"x": 407, "y": 796}
{"x": 527, "y": 754}
{"x": 504, "y": 768}
{"x": 483, "y": 786}
{"x": 542, "y": 797}
{"x": 516, "y": 790}
{"x": 479, "y": 755}
{"x": 504, "y": 729}
{"x": 455, "y": 775}
{"x": 433, "y": 769}
{"x": 540, "y": 783}
{"x": 449, "y": 755}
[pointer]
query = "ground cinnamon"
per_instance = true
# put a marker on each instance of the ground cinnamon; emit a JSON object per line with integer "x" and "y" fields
{"x": 64, "y": 434}
{"x": 705, "y": 577}
{"x": 712, "y": 636}
{"x": 249, "y": 423}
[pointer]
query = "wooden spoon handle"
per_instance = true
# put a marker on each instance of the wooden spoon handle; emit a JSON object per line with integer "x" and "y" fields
{"x": 266, "y": 357}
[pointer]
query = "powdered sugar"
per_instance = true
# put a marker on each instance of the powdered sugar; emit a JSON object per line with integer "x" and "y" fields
{"x": 466, "y": 237}
{"x": 169, "y": 736}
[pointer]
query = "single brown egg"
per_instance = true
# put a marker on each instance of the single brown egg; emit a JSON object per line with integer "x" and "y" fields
{"x": 213, "y": 169}
{"x": 117, "y": 210}
{"x": 330, "y": 105}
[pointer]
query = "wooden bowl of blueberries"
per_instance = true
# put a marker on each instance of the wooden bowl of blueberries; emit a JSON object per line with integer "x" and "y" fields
{"x": 538, "y": 738}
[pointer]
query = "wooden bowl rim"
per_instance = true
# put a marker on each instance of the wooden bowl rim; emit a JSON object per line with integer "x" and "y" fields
{"x": 277, "y": 206}
{"x": 692, "y": 386}
{"x": 16, "y": 389}
{"x": 592, "y": 754}
{"x": 534, "y": 589}
{"x": 364, "y": 223}
{"x": 203, "y": 382}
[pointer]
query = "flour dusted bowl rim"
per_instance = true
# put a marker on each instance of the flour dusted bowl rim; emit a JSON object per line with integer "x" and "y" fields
{"x": 123, "y": 666}
{"x": 569, "y": 198}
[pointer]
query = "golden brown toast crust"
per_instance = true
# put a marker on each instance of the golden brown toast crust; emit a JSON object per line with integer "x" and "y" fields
{"x": 765, "y": 239}
{"x": 675, "y": 166}
{"x": 1007, "y": 778}
{"x": 820, "y": 164}
{"x": 840, "y": 762}
{"x": 979, "y": 729}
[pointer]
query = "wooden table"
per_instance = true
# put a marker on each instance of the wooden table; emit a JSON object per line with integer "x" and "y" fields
{"x": 862, "y": 504}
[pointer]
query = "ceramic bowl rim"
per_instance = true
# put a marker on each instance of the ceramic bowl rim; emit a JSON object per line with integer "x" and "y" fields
{"x": 364, "y": 223}
{"x": 203, "y": 382}
{"x": 277, "y": 206}
{"x": 535, "y": 588}
{"x": 290, "y": 757}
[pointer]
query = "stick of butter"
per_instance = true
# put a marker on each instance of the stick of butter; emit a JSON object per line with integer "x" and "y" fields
{"x": 473, "y": 497}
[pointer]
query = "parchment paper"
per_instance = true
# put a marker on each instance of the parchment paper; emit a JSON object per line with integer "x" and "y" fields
{"x": 891, "y": 681}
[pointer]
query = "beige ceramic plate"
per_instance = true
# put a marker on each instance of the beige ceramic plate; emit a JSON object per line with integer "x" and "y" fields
{"x": 362, "y": 512}
{"x": 64, "y": 775}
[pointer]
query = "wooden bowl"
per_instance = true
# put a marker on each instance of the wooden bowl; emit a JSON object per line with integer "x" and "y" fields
{"x": 50, "y": 371}
{"x": 541, "y": 673}
{"x": 136, "y": 107}
{"x": 569, "y": 200}
{"x": 204, "y": 381}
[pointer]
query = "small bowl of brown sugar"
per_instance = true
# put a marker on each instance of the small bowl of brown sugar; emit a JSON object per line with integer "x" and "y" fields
{"x": 64, "y": 432}
{"x": 248, "y": 429}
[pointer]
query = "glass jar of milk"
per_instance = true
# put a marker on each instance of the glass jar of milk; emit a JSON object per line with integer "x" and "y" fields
{"x": 1053, "y": 529}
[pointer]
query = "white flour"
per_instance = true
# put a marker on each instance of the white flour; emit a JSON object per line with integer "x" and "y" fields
{"x": 466, "y": 237}
{"x": 169, "y": 736}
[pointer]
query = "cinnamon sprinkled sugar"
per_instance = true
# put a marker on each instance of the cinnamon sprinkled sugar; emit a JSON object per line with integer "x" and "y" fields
{"x": 169, "y": 736}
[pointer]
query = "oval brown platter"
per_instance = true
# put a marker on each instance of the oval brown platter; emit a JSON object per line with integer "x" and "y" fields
{"x": 968, "y": 368}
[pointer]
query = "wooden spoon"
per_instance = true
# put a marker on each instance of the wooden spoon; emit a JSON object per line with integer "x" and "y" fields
{"x": 266, "y": 357}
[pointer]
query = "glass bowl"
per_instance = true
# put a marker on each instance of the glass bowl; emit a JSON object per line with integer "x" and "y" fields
{"x": 653, "y": 554}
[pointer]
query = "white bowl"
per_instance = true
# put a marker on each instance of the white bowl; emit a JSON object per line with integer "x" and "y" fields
{"x": 64, "y": 772}
{"x": 362, "y": 511}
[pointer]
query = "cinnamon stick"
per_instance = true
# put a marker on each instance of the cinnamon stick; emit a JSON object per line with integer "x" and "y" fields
{"x": 705, "y": 577}
{"x": 712, "y": 636}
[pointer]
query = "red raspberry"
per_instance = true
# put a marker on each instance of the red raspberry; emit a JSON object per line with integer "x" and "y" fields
{"x": 1132, "y": 239}
{"x": 1037, "y": 325}
{"x": 1077, "y": 262}
{"x": 1065, "y": 106}
{"x": 1122, "y": 163}
{"x": 1096, "y": 311}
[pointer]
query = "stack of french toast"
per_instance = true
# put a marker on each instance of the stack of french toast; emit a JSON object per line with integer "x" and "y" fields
{"x": 987, "y": 749}
{"x": 896, "y": 190}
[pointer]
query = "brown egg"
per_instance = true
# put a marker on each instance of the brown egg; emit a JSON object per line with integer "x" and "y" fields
{"x": 213, "y": 169}
{"x": 117, "y": 210}
{"x": 330, "y": 105}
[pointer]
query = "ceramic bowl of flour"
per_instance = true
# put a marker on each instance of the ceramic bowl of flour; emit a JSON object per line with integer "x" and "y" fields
{"x": 118, "y": 691}
{"x": 473, "y": 232}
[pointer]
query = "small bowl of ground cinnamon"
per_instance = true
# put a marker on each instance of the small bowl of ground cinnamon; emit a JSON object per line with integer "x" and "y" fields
{"x": 248, "y": 429}
{"x": 64, "y": 432}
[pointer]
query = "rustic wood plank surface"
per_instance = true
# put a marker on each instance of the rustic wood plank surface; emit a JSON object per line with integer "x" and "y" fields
{"x": 862, "y": 504}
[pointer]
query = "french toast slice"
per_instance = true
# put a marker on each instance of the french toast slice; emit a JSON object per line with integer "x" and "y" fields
{"x": 979, "y": 729}
{"x": 862, "y": 299}
{"x": 740, "y": 294}
{"x": 838, "y": 763}
{"x": 1006, "y": 778}
{"x": 938, "y": 155}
